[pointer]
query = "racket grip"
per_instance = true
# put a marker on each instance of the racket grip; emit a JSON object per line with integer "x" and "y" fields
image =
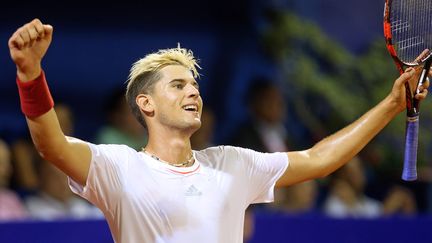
{"x": 409, "y": 172}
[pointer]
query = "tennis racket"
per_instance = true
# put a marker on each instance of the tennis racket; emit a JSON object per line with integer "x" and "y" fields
{"x": 408, "y": 35}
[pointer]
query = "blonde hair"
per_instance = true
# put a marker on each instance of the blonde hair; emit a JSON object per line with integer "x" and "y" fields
{"x": 145, "y": 73}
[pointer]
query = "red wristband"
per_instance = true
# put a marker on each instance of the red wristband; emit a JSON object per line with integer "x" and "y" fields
{"x": 35, "y": 96}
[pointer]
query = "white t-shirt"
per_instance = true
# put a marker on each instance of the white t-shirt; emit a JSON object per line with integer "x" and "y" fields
{"x": 145, "y": 200}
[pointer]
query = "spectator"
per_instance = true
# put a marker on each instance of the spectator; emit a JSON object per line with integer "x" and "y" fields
{"x": 347, "y": 197}
{"x": 265, "y": 130}
{"x": 11, "y": 207}
{"x": 298, "y": 199}
{"x": 122, "y": 127}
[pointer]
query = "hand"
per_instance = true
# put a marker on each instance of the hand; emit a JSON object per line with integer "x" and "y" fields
{"x": 411, "y": 76}
{"x": 399, "y": 200}
{"x": 27, "y": 47}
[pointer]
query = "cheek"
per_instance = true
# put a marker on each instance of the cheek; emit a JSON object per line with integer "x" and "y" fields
{"x": 162, "y": 104}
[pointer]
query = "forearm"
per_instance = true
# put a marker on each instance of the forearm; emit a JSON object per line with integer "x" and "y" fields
{"x": 47, "y": 135}
{"x": 339, "y": 148}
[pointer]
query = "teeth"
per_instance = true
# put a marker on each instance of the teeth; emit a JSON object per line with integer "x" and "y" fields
{"x": 190, "y": 107}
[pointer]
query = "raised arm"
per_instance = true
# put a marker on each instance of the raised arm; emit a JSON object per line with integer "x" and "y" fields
{"x": 27, "y": 47}
{"x": 339, "y": 148}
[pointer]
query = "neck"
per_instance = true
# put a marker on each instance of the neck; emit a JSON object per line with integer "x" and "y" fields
{"x": 173, "y": 150}
{"x": 186, "y": 163}
{"x": 169, "y": 143}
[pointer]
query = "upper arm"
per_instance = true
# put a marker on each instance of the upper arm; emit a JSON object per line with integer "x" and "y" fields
{"x": 73, "y": 157}
{"x": 302, "y": 166}
{"x": 75, "y": 160}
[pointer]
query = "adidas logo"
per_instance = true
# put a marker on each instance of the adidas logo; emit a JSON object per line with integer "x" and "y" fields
{"x": 192, "y": 191}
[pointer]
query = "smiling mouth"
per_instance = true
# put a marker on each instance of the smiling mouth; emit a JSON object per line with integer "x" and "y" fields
{"x": 193, "y": 108}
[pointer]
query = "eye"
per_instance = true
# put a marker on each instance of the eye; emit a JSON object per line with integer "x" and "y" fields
{"x": 196, "y": 85}
{"x": 178, "y": 86}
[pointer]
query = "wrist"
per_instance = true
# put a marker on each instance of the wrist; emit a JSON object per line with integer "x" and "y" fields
{"x": 393, "y": 105}
{"x": 35, "y": 96}
{"x": 25, "y": 75}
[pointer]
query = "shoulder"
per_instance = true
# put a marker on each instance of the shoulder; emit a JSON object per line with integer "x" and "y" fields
{"x": 223, "y": 150}
{"x": 224, "y": 154}
{"x": 113, "y": 154}
{"x": 111, "y": 148}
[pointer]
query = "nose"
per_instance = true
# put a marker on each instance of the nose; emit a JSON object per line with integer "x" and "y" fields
{"x": 192, "y": 91}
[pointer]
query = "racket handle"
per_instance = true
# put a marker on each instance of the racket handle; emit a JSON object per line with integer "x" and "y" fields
{"x": 409, "y": 172}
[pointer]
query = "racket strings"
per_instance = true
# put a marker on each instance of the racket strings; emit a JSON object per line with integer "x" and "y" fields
{"x": 411, "y": 27}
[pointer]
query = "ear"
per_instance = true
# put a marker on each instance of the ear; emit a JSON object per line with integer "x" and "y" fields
{"x": 145, "y": 103}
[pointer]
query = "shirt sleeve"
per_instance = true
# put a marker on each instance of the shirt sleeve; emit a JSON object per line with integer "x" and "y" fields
{"x": 104, "y": 181}
{"x": 262, "y": 170}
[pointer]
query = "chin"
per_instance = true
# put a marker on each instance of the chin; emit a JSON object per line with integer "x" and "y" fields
{"x": 195, "y": 126}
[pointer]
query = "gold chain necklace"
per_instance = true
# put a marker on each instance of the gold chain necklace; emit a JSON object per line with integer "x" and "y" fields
{"x": 182, "y": 164}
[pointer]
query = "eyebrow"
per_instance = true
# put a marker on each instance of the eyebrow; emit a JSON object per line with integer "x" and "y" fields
{"x": 178, "y": 80}
{"x": 184, "y": 81}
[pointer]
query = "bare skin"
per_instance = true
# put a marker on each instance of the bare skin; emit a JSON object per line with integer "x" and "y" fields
{"x": 170, "y": 125}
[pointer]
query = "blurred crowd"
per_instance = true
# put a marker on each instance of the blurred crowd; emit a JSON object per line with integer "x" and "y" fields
{"x": 32, "y": 189}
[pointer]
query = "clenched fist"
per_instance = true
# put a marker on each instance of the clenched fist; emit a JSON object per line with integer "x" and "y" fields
{"x": 27, "y": 47}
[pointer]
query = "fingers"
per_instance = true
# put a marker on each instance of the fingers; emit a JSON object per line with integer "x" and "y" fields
{"x": 424, "y": 54}
{"x": 24, "y": 34}
{"x": 426, "y": 83}
{"x": 40, "y": 30}
{"x": 423, "y": 89}
{"x": 29, "y": 33}
{"x": 430, "y": 72}
{"x": 422, "y": 95}
{"x": 16, "y": 41}
{"x": 405, "y": 77}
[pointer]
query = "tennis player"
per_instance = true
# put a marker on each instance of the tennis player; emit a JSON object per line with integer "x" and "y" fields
{"x": 167, "y": 192}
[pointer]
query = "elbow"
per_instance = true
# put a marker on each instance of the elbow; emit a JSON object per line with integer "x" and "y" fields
{"x": 50, "y": 150}
{"x": 330, "y": 165}
{"x": 321, "y": 160}
{"x": 322, "y": 171}
{"x": 46, "y": 152}
{"x": 328, "y": 160}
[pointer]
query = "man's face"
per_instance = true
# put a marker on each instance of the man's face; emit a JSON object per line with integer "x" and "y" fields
{"x": 176, "y": 97}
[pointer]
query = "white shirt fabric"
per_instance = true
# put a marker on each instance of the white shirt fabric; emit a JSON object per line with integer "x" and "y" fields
{"x": 145, "y": 200}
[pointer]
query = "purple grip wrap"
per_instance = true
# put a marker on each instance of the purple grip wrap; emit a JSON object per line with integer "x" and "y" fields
{"x": 411, "y": 140}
